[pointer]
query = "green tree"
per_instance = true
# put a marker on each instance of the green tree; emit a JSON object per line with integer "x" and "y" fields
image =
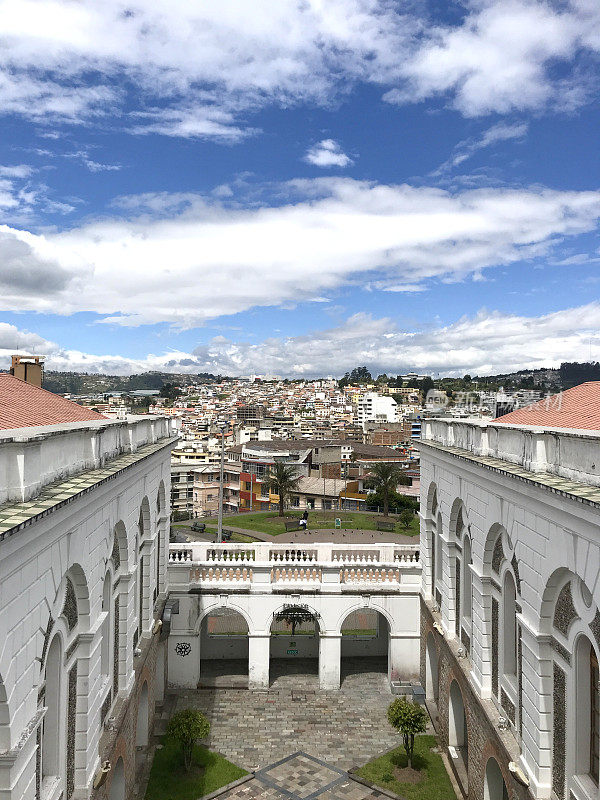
{"x": 384, "y": 478}
{"x": 283, "y": 480}
{"x": 398, "y": 502}
{"x": 294, "y": 616}
{"x": 426, "y": 385}
{"x": 408, "y": 719}
{"x": 406, "y": 518}
{"x": 186, "y": 727}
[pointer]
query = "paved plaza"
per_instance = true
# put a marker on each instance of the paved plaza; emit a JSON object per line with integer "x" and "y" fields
{"x": 301, "y": 776}
{"x": 343, "y": 728}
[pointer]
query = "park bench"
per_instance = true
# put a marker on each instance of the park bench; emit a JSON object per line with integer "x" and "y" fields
{"x": 292, "y": 525}
{"x": 382, "y": 525}
{"x": 227, "y": 535}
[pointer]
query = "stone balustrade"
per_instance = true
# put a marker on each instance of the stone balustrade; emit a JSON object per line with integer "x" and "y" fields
{"x": 325, "y": 567}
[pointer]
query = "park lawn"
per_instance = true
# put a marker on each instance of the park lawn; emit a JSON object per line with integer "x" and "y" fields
{"x": 270, "y": 523}
{"x": 435, "y": 785}
{"x": 170, "y": 781}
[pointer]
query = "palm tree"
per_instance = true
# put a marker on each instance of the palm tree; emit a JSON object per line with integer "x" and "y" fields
{"x": 283, "y": 480}
{"x": 384, "y": 478}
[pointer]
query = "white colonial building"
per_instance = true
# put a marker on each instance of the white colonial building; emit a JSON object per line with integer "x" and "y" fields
{"x": 83, "y": 543}
{"x": 361, "y": 601}
{"x": 510, "y": 619}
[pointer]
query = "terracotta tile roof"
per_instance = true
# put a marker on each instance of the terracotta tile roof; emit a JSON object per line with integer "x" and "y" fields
{"x": 23, "y": 405}
{"x": 578, "y": 407}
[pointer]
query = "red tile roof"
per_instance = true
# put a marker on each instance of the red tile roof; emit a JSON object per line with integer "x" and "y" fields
{"x": 23, "y": 405}
{"x": 578, "y": 407}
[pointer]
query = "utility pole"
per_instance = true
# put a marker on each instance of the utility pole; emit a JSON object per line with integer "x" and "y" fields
{"x": 222, "y": 426}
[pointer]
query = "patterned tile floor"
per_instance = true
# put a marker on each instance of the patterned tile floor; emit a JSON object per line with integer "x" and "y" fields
{"x": 300, "y": 776}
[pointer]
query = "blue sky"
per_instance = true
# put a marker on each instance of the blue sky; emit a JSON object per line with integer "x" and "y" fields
{"x": 297, "y": 188}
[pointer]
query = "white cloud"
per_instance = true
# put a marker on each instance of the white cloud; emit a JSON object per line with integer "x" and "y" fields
{"x": 491, "y": 342}
{"x": 200, "y": 259}
{"x": 502, "y": 57}
{"x": 197, "y": 69}
{"x": 204, "y": 62}
{"x": 327, "y": 153}
{"x": 501, "y": 132}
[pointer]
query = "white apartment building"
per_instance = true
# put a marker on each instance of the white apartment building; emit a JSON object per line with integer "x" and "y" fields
{"x": 84, "y": 512}
{"x": 373, "y": 407}
{"x": 510, "y": 619}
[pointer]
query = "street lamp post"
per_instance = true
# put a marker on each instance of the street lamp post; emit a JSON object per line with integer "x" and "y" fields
{"x": 222, "y": 426}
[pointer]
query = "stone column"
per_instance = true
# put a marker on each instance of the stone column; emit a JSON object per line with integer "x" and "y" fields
{"x": 330, "y": 653}
{"x": 536, "y": 710}
{"x": 403, "y": 656}
{"x": 259, "y": 651}
{"x": 481, "y": 634}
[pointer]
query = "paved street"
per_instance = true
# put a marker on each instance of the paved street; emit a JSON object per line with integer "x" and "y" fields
{"x": 344, "y": 728}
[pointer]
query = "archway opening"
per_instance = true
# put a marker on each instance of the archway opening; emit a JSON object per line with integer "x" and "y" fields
{"x": 458, "y": 741}
{"x": 224, "y": 649}
{"x": 364, "y": 647}
{"x": 494, "y": 787}
{"x": 53, "y": 732}
{"x": 117, "y": 784}
{"x": 294, "y": 647}
{"x": 431, "y": 674}
{"x": 141, "y": 730}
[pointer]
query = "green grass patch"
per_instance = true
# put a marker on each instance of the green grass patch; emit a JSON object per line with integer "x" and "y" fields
{"x": 270, "y": 523}
{"x": 170, "y": 781}
{"x": 435, "y": 784}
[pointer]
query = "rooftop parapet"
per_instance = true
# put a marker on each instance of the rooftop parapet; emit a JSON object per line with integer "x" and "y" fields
{"x": 33, "y": 457}
{"x": 571, "y": 453}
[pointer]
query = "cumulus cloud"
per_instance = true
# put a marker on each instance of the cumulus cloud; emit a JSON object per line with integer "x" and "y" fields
{"x": 502, "y": 57}
{"x": 197, "y": 69}
{"x": 487, "y": 343}
{"x": 327, "y": 153}
{"x": 202, "y": 259}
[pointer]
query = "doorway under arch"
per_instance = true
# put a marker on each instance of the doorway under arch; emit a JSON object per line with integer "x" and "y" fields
{"x": 458, "y": 738}
{"x": 224, "y": 649}
{"x": 294, "y": 647}
{"x": 365, "y": 646}
{"x": 117, "y": 784}
{"x": 494, "y": 787}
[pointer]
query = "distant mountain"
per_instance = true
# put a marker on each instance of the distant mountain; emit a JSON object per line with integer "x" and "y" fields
{"x": 89, "y": 383}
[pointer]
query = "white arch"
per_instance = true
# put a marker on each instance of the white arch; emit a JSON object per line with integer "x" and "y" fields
{"x": 53, "y": 731}
{"x": 230, "y": 607}
{"x": 371, "y": 607}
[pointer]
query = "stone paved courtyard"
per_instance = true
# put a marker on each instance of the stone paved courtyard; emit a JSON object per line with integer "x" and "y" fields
{"x": 343, "y": 728}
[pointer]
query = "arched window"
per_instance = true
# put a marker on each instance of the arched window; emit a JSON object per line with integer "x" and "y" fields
{"x": 107, "y": 625}
{"x": 438, "y": 548}
{"x": 509, "y": 625}
{"x": 467, "y": 593}
{"x": 587, "y": 677}
{"x": 53, "y": 725}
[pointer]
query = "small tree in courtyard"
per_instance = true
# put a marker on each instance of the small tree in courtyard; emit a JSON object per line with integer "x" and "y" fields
{"x": 406, "y": 518}
{"x": 408, "y": 719}
{"x": 186, "y": 727}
